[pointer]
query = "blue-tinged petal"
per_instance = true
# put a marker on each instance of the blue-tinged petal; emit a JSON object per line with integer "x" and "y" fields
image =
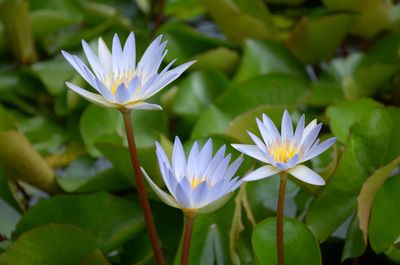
{"x": 89, "y": 95}
{"x": 192, "y": 165}
{"x": 266, "y": 135}
{"x": 231, "y": 170}
{"x": 105, "y": 56}
{"x": 129, "y": 53}
{"x": 261, "y": 146}
{"x": 148, "y": 85}
{"x": 117, "y": 59}
{"x": 93, "y": 60}
{"x": 122, "y": 94}
{"x": 298, "y": 135}
{"x": 178, "y": 159}
{"x": 79, "y": 66}
{"x": 169, "y": 178}
{"x": 157, "y": 85}
{"x": 219, "y": 172}
{"x": 262, "y": 172}
{"x": 281, "y": 166}
{"x": 143, "y": 105}
{"x": 293, "y": 161}
{"x": 318, "y": 149}
{"x": 182, "y": 196}
{"x": 205, "y": 156}
{"x": 104, "y": 91}
{"x": 308, "y": 129}
{"x": 200, "y": 194}
{"x": 215, "y": 204}
{"x": 216, "y": 160}
{"x": 151, "y": 65}
{"x": 251, "y": 150}
{"x": 287, "y": 127}
{"x": 311, "y": 137}
{"x": 161, "y": 155}
{"x": 165, "y": 197}
{"x": 133, "y": 87}
{"x": 307, "y": 175}
{"x": 270, "y": 126}
{"x": 147, "y": 57}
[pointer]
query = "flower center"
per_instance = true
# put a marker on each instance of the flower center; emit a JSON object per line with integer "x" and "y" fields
{"x": 282, "y": 152}
{"x": 194, "y": 182}
{"x": 114, "y": 80}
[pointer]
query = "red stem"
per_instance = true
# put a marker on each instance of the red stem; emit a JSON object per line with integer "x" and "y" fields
{"x": 144, "y": 202}
{"x": 279, "y": 219}
{"x": 187, "y": 238}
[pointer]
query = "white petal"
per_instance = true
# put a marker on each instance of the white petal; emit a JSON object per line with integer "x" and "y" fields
{"x": 286, "y": 127}
{"x": 143, "y": 105}
{"x": 231, "y": 170}
{"x": 298, "y": 135}
{"x": 308, "y": 128}
{"x": 165, "y": 197}
{"x": 205, "y": 156}
{"x": 92, "y": 97}
{"x": 192, "y": 165}
{"x": 215, "y": 204}
{"x": 178, "y": 159}
{"x": 219, "y": 172}
{"x": 93, "y": 60}
{"x": 216, "y": 160}
{"x": 200, "y": 194}
{"x": 117, "y": 59}
{"x": 307, "y": 175}
{"x": 270, "y": 126}
{"x": 80, "y": 67}
{"x": 264, "y": 132}
{"x": 129, "y": 53}
{"x": 310, "y": 139}
{"x": 251, "y": 150}
{"x": 182, "y": 196}
{"x": 261, "y": 147}
{"x": 318, "y": 149}
{"x": 104, "y": 54}
{"x": 101, "y": 88}
{"x": 262, "y": 172}
{"x": 122, "y": 94}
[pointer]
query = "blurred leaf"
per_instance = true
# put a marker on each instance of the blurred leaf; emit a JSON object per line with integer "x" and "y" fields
{"x": 110, "y": 220}
{"x": 179, "y": 35}
{"x": 270, "y": 89}
{"x": 9, "y": 218}
{"x": 263, "y": 57}
{"x": 68, "y": 7}
{"x": 241, "y": 19}
{"x": 285, "y": 2}
{"x": 48, "y": 245}
{"x": 384, "y": 229}
{"x": 325, "y": 93}
{"x": 7, "y": 194}
{"x": 46, "y": 21}
{"x": 354, "y": 245}
{"x": 53, "y": 73}
{"x": 182, "y": 9}
{"x": 300, "y": 246}
{"x": 197, "y": 91}
{"x": 220, "y": 59}
{"x": 373, "y": 144}
{"x": 94, "y": 258}
{"x": 21, "y": 162}
{"x": 316, "y": 38}
{"x": 368, "y": 191}
{"x": 86, "y": 175}
{"x": 373, "y": 15}
{"x": 346, "y": 113}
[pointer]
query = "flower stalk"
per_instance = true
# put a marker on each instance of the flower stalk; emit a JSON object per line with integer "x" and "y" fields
{"x": 187, "y": 238}
{"x": 144, "y": 202}
{"x": 279, "y": 218}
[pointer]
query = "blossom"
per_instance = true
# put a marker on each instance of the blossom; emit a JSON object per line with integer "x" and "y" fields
{"x": 200, "y": 183}
{"x": 285, "y": 151}
{"x": 116, "y": 77}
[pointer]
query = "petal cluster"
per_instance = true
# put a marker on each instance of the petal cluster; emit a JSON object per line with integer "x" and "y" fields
{"x": 285, "y": 151}
{"x": 120, "y": 82}
{"x": 200, "y": 183}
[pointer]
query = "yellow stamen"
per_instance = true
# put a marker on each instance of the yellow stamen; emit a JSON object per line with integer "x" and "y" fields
{"x": 194, "y": 182}
{"x": 282, "y": 152}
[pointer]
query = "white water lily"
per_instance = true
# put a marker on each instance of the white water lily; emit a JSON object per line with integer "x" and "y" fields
{"x": 200, "y": 183}
{"x": 286, "y": 151}
{"x": 116, "y": 77}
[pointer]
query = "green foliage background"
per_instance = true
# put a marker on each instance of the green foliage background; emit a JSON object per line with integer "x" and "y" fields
{"x": 66, "y": 185}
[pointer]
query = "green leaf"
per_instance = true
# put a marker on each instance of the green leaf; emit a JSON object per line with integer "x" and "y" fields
{"x": 48, "y": 245}
{"x": 110, "y": 220}
{"x": 316, "y": 38}
{"x": 368, "y": 191}
{"x": 197, "y": 91}
{"x": 372, "y": 145}
{"x": 263, "y": 57}
{"x": 240, "y": 19}
{"x": 346, "y": 113}
{"x": 325, "y": 93}
{"x": 300, "y": 246}
{"x": 86, "y": 175}
{"x": 9, "y": 218}
{"x": 53, "y": 74}
{"x": 373, "y": 15}
{"x": 7, "y": 194}
{"x": 354, "y": 245}
{"x": 384, "y": 229}
{"x": 270, "y": 89}
{"x": 220, "y": 59}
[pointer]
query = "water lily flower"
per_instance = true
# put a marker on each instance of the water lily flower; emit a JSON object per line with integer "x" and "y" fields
{"x": 116, "y": 77}
{"x": 286, "y": 151}
{"x": 199, "y": 184}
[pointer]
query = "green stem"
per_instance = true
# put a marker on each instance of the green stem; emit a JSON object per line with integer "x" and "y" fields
{"x": 187, "y": 238}
{"x": 144, "y": 202}
{"x": 279, "y": 218}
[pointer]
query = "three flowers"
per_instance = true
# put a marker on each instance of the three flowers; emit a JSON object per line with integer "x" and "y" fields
{"x": 202, "y": 180}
